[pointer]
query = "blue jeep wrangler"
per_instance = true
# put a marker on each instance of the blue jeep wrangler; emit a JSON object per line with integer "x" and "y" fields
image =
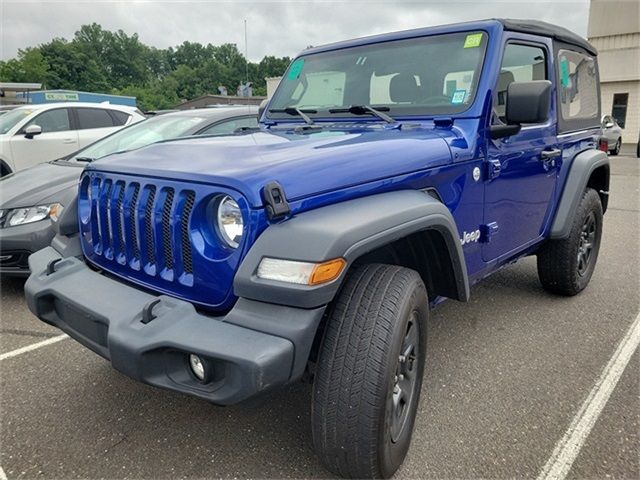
{"x": 388, "y": 173}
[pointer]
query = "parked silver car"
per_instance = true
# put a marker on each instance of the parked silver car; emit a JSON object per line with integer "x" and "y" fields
{"x": 613, "y": 133}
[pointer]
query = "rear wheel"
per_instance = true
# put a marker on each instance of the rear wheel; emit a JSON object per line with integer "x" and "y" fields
{"x": 565, "y": 266}
{"x": 369, "y": 374}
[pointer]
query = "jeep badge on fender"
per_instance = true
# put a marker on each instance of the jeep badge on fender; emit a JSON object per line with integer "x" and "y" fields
{"x": 388, "y": 173}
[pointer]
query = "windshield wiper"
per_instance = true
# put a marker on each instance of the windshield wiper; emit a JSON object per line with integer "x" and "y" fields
{"x": 85, "y": 159}
{"x": 366, "y": 110}
{"x": 295, "y": 111}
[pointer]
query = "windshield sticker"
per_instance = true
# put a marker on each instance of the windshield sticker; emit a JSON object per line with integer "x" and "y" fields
{"x": 473, "y": 40}
{"x": 564, "y": 72}
{"x": 296, "y": 69}
{"x": 458, "y": 97}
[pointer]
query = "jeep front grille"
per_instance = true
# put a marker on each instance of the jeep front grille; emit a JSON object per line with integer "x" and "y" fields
{"x": 142, "y": 231}
{"x": 160, "y": 234}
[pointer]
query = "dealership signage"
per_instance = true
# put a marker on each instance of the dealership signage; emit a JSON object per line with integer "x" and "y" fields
{"x": 61, "y": 96}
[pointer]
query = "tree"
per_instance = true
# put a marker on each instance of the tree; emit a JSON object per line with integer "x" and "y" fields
{"x": 99, "y": 60}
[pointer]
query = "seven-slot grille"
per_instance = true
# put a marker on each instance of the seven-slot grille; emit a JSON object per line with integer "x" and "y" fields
{"x": 143, "y": 227}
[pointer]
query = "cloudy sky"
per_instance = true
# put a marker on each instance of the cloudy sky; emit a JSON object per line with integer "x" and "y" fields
{"x": 275, "y": 27}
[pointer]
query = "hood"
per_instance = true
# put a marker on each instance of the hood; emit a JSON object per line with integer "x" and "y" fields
{"x": 37, "y": 185}
{"x": 305, "y": 164}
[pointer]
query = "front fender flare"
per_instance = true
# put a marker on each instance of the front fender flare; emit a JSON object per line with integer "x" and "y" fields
{"x": 348, "y": 229}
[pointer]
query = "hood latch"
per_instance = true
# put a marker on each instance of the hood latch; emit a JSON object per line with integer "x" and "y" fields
{"x": 275, "y": 201}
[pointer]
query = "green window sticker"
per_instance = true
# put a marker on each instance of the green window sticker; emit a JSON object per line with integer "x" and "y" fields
{"x": 473, "y": 40}
{"x": 564, "y": 72}
{"x": 296, "y": 69}
{"x": 458, "y": 97}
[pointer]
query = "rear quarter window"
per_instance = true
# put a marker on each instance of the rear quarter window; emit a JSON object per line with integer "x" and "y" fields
{"x": 578, "y": 95}
{"x": 119, "y": 118}
{"x": 93, "y": 118}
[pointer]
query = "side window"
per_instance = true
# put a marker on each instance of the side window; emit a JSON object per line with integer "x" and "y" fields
{"x": 52, "y": 120}
{"x": 119, "y": 118}
{"x": 229, "y": 126}
{"x": 93, "y": 118}
{"x": 578, "y": 89}
{"x": 520, "y": 63}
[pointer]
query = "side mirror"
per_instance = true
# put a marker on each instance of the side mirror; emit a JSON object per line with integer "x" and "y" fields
{"x": 32, "y": 130}
{"x": 608, "y": 125}
{"x": 262, "y": 107}
{"x": 527, "y": 102}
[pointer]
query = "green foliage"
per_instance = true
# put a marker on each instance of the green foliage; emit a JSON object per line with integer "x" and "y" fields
{"x": 98, "y": 60}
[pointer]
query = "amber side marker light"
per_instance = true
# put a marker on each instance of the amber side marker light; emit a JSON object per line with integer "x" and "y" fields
{"x": 327, "y": 271}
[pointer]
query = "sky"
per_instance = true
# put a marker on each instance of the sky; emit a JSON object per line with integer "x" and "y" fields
{"x": 280, "y": 28}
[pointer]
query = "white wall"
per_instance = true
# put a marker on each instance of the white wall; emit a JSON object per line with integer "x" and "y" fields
{"x": 632, "y": 125}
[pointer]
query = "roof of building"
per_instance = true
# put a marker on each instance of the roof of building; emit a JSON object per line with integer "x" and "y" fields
{"x": 19, "y": 87}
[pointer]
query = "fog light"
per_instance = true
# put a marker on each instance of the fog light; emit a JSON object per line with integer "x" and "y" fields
{"x": 197, "y": 366}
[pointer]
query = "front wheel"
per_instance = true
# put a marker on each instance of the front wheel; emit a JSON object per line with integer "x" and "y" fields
{"x": 617, "y": 147}
{"x": 369, "y": 372}
{"x": 566, "y": 265}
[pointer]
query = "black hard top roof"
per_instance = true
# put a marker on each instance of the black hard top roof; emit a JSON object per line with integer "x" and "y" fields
{"x": 536, "y": 27}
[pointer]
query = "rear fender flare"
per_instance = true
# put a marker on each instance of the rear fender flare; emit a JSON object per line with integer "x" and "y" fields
{"x": 580, "y": 171}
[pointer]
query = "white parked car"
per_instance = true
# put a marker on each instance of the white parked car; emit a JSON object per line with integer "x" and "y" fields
{"x": 613, "y": 133}
{"x": 34, "y": 134}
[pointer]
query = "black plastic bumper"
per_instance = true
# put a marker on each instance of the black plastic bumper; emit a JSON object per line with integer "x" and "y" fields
{"x": 254, "y": 347}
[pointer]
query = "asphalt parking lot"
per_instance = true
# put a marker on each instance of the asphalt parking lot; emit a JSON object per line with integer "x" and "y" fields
{"x": 506, "y": 375}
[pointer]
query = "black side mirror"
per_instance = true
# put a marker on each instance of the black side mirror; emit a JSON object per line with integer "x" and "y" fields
{"x": 262, "y": 107}
{"x": 527, "y": 102}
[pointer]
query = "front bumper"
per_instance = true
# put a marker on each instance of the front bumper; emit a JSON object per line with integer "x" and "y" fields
{"x": 250, "y": 349}
{"x": 17, "y": 243}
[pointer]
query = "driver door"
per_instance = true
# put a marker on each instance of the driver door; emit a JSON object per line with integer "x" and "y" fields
{"x": 522, "y": 168}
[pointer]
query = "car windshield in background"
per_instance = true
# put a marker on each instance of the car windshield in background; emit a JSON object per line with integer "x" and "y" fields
{"x": 140, "y": 135}
{"x": 10, "y": 119}
{"x": 418, "y": 76}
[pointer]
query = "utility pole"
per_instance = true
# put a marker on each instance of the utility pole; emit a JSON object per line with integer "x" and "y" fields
{"x": 246, "y": 54}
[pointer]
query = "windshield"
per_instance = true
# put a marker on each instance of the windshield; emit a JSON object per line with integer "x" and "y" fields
{"x": 418, "y": 76}
{"x": 10, "y": 119}
{"x": 141, "y": 134}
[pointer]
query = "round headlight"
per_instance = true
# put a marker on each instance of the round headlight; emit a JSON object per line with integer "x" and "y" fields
{"x": 230, "y": 221}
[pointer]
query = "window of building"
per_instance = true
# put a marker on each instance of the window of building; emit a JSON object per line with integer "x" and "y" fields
{"x": 619, "y": 109}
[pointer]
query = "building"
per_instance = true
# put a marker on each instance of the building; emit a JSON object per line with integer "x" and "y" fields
{"x": 614, "y": 29}
{"x": 51, "y": 96}
{"x": 213, "y": 100}
{"x": 10, "y": 90}
{"x": 272, "y": 84}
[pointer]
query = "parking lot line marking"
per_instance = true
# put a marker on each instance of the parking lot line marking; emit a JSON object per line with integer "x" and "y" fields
{"x": 3, "y": 476}
{"x": 569, "y": 446}
{"x": 31, "y": 347}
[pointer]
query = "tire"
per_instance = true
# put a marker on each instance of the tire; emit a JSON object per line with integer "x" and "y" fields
{"x": 616, "y": 149}
{"x": 380, "y": 314}
{"x": 565, "y": 266}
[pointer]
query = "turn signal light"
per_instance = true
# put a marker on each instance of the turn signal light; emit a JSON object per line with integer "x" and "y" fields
{"x": 327, "y": 271}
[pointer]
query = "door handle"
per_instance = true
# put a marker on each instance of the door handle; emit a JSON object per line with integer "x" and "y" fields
{"x": 549, "y": 154}
{"x": 69, "y": 140}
